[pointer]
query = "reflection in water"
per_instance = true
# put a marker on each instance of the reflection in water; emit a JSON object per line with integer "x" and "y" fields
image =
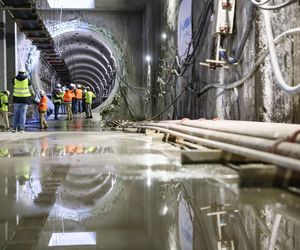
{"x": 44, "y": 150}
{"x": 139, "y": 199}
{"x": 73, "y": 239}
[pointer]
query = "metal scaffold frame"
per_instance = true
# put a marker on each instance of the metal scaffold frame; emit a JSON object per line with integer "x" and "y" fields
{"x": 25, "y": 15}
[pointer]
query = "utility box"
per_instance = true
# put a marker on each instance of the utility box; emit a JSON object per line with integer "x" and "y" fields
{"x": 225, "y": 17}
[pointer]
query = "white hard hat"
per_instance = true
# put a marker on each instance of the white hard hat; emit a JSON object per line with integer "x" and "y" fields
{"x": 78, "y": 86}
{"x": 22, "y": 70}
{"x": 42, "y": 92}
{"x": 7, "y": 92}
{"x": 58, "y": 85}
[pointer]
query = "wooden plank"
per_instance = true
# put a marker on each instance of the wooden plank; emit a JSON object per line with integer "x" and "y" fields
{"x": 201, "y": 156}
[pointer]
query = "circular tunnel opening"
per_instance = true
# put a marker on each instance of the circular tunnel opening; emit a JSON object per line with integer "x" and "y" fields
{"x": 92, "y": 57}
{"x": 89, "y": 61}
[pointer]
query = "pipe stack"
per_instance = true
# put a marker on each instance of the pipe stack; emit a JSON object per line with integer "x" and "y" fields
{"x": 274, "y": 143}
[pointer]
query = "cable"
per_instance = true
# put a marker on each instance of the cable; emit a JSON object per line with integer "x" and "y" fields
{"x": 130, "y": 84}
{"x": 254, "y": 68}
{"x": 163, "y": 111}
{"x": 274, "y": 59}
{"x": 239, "y": 51}
{"x": 131, "y": 110}
{"x": 275, "y": 7}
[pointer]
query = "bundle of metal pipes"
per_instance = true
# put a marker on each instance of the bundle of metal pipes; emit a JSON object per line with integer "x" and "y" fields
{"x": 278, "y": 144}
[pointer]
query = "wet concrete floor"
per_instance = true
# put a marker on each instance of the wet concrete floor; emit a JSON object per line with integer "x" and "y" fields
{"x": 78, "y": 186}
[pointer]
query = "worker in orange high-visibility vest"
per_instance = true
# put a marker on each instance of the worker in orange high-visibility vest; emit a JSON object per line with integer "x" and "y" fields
{"x": 68, "y": 96}
{"x": 43, "y": 110}
{"x": 79, "y": 94}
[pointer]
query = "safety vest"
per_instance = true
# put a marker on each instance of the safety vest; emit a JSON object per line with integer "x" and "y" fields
{"x": 43, "y": 104}
{"x": 57, "y": 97}
{"x": 68, "y": 96}
{"x": 78, "y": 94}
{"x": 89, "y": 97}
{"x": 3, "y": 102}
{"x": 21, "y": 88}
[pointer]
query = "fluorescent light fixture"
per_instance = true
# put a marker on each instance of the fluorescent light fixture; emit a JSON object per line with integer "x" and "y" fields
{"x": 73, "y": 239}
{"x": 72, "y": 4}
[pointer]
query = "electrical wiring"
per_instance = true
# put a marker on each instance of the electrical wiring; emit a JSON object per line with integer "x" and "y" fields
{"x": 274, "y": 60}
{"x": 276, "y": 7}
{"x": 128, "y": 84}
{"x": 185, "y": 64}
{"x": 132, "y": 112}
{"x": 239, "y": 51}
{"x": 171, "y": 104}
{"x": 197, "y": 38}
{"x": 257, "y": 64}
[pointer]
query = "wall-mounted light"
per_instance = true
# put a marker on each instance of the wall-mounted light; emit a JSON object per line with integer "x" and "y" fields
{"x": 164, "y": 36}
{"x": 148, "y": 59}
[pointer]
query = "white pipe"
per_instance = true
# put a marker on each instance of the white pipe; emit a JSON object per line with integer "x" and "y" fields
{"x": 254, "y": 68}
{"x": 274, "y": 7}
{"x": 274, "y": 59}
{"x": 260, "y": 3}
{"x": 277, "y": 160}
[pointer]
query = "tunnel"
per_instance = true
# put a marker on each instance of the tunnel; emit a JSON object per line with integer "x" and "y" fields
{"x": 89, "y": 58}
{"x": 189, "y": 138}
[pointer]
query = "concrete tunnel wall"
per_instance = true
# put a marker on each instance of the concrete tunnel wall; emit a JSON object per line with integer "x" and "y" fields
{"x": 139, "y": 33}
{"x": 259, "y": 98}
{"x": 123, "y": 32}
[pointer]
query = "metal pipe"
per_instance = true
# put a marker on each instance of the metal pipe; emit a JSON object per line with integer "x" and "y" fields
{"x": 283, "y": 148}
{"x": 266, "y": 157}
{"x": 272, "y": 131}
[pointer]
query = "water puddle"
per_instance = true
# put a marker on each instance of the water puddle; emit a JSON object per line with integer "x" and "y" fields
{"x": 118, "y": 191}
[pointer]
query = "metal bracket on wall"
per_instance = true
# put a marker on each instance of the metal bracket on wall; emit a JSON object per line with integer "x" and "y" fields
{"x": 224, "y": 26}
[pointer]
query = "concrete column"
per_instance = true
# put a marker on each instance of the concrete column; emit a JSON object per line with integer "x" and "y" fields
{"x": 10, "y": 51}
{"x": 3, "y": 78}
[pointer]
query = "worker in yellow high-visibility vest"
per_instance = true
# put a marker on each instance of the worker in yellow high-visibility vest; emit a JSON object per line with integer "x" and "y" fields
{"x": 4, "y": 107}
{"x": 21, "y": 99}
{"x": 89, "y": 96}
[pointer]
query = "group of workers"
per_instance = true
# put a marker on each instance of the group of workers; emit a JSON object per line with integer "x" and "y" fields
{"x": 76, "y": 99}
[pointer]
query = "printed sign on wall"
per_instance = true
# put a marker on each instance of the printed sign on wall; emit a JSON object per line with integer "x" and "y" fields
{"x": 185, "y": 29}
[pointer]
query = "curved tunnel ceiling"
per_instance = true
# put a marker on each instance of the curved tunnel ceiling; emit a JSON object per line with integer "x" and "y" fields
{"x": 89, "y": 61}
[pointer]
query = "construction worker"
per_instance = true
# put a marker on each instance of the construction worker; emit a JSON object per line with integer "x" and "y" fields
{"x": 78, "y": 95}
{"x": 57, "y": 99}
{"x": 4, "y": 107}
{"x": 21, "y": 99}
{"x": 42, "y": 110}
{"x": 74, "y": 101}
{"x": 89, "y": 96}
{"x": 63, "y": 105}
{"x": 68, "y": 96}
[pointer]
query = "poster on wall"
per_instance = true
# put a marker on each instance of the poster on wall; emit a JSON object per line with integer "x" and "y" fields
{"x": 185, "y": 29}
